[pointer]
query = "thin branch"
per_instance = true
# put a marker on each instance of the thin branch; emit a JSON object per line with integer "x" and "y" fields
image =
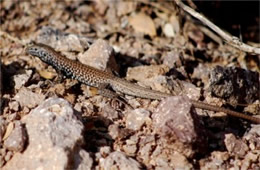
{"x": 232, "y": 40}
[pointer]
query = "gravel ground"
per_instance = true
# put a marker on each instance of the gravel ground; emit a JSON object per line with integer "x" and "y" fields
{"x": 52, "y": 123}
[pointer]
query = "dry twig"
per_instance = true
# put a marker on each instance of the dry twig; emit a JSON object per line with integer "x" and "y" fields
{"x": 232, "y": 40}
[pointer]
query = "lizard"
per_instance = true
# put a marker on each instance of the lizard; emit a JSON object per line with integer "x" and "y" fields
{"x": 104, "y": 80}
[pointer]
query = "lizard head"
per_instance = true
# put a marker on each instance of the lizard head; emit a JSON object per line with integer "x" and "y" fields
{"x": 39, "y": 50}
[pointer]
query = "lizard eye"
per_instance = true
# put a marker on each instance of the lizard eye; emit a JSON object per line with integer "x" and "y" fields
{"x": 43, "y": 54}
{"x": 32, "y": 49}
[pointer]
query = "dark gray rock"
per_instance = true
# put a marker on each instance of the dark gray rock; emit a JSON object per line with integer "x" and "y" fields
{"x": 235, "y": 85}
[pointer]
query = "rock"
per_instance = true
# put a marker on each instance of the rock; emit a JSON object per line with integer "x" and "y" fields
{"x": 168, "y": 30}
{"x": 16, "y": 140}
{"x": 109, "y": 112}
{"x": 49, "y": 75}
{"x": 55, "y": 139}
{"x": 235, "y": 85}
{"x": 196, "y": 34}
{"x": 252, "y": 137}
{"x": 175, "y": 22}
{"x": 180, "y": 162}
{"x": 1, "y": 87}
{"x": 217, "y": 160}
{"x": 149, "y": 76}
{"x": 201, "y": 72}
{"x": 118, "y": 160}
{"x": 143, "y": 23}
{"x": 62, "y": 41}
{"x": 28, "y": 98}
{"x": 172, "y": 59}
{"x": 249, "y": 158}
{"x": 8, "y": 155}
{"x": 179, "y": 41}
{"x": 82, "y": 161}
{"x": 165, "y": 158}
{"x": 21, "y": 79}
{"x": 2, "y": 128}
{"x": 100, "y": 55}
{"x": 125, "y": 7}
{"x": 146, "y": 147}
{"x": 135, "y": 119}
{"x": 14, "y": 105}
{"x": 161, "y": 162}
{"x": 191, "y": 90}
{"x": 147, "y": 72}
{"x": 220, "y": 157}
{"x": 131, "y": 145}
{"x": 177, "y": 122}
{"x": 235, "y": 146}
{"x": 2, "y": 160}
{"x": 253, "y": 108}
{"x": 101, "y": 7}
{"x": 105, "y": 150}
{"x": 117, "y": 132}
{"x": 13, "y": 116}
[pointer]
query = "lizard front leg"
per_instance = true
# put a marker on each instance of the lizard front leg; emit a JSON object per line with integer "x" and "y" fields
{"x": 103, "y": 89}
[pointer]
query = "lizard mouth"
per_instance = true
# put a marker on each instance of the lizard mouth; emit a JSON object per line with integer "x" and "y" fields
{"x": 31, "y": 50}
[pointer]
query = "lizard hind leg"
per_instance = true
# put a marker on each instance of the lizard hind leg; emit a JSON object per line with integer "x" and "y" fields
{"x": 102, "y": 90}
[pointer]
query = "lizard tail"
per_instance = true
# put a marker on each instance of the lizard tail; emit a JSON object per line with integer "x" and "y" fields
{"x": 227, "y": 111}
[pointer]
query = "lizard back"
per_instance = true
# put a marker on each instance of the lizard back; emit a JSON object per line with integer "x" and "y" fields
{"x": 70, "y": 68}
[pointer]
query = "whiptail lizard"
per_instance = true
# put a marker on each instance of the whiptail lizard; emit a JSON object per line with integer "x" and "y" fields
{"x": 102, "y": 80}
